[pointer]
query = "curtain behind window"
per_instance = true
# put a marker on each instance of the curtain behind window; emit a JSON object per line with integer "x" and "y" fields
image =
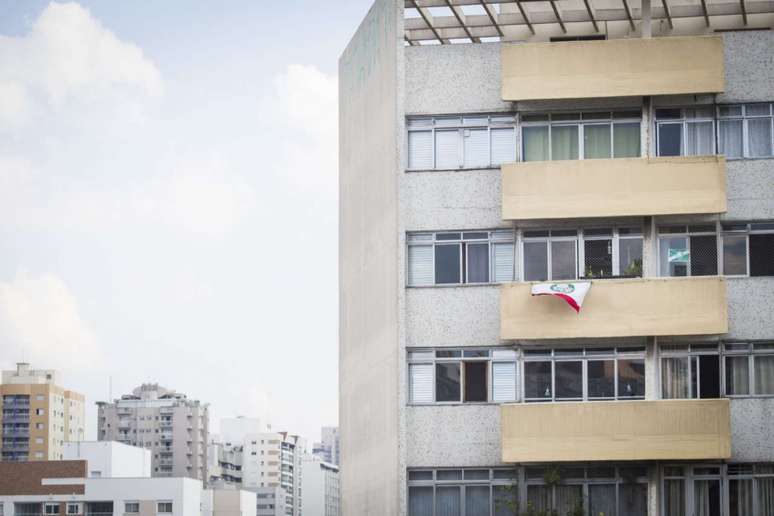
{"x": 447, "y": 501}
{"x": 564, "y": 142}
{"x": 602, "y": 500}
{"x": 477, "y": 500}
{"x": 764, "y": 374}
{"x": 674, "y": 498}
{"x": 626, "y": 140}
{"x": 568, "y": 497}
{"x": 633, "y": 500}
{"x": 674, "y": 377}
{"x": 730, "y": 138}
{"x": 737, "y": 375}
{"x": 535, "y": 142}
{"x": 759, "y": 132}
{"x": 706, "y": 497}
{"x": 596, "y": 141}
{"x": 698, "y": 138}
{"x": 765, "y": 496}
{"x": 740, "y": 497}
{"x": 420, "y": 501}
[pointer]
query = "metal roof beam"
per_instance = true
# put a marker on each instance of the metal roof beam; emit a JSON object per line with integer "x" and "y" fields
{"x": 629, "y": 14}
{"x": 704, "y": 10}
{"x": 668, "y": 16}
{"x": 461, "y": 19}
{"x": 428, "y": 19}
{"x": 591, "y": 15}
{"x": 494, "y": 21}
{"x": 744, "y": 12}
{"x": 558, "y": 16}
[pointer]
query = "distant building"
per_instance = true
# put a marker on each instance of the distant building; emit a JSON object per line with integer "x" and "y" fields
{"x": 253, "y": 459}
{"x": 38, "y": 415}
{"x": 320, "y": 487}
{"x": 270, "y": 501}
{"x": 328, "y": 449}
{"x": 174, "y": 428}
{"x": 107, "y": 478}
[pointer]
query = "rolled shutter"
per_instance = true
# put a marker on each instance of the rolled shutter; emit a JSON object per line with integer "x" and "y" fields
{"x": 503, "y": 261}
{"x": 421, "y": 383}
{"x": 420, "y": 149}
{"x": 503, "y": 145}
{"x": 503, "y": 381}
{"x": 420, "y": 265}
{"x": 476, "y": 148}
{"x": 447, "y": 153}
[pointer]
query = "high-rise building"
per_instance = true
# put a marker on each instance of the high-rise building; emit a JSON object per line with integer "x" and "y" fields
{"x": 254, "y": 458}
{"x": 321, "y": 487}
{"x": 328, "y": 448}
{"x": 38, "y": 415}
{"x": 172, "y": 427}
{"x": 493, "y": 152}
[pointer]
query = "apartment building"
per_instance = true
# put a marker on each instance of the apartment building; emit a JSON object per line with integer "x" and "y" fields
{"x": 494, "y": 151}
{"x": 328, "y": 447}
{"x": 110, "y": 479}
{"x": 173, "y": 427}
{"x": 251, "y": 457}
{"x": 321, "y": 487}
{"x": 38, "y": 415}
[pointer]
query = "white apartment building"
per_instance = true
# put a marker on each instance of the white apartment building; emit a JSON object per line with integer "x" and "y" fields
{"x": 501, "y": 158}
{"x": 174, "y": 428}
{"x": 328, "y": 447}
{"x": 321, "y": 487}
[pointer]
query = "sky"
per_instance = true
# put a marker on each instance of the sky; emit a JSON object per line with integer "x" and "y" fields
{"x": 168, "y": 200}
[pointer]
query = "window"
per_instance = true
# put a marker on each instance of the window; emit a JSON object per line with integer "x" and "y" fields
{"x": 454, "y": 142}
{"x": 685, "y": 132}
{"x": 462, "y": 375}
{"x": 453, "y": 258}
{"x": 561, "y": 136}
{"x": 748, "y": 248}
{"x": 745, "y": 131}
{"x": 51, "y": 508}
{"x": 584, "y": 374}
{"x": 74, "y": 508}
{"x": 690, "y": 371}
{"x": 604, "y": 252}
{"x": 479, "y": 492}
{"x": 751, "y": 489}
{"x": 164, "y": 507}
{"x": 688, "y": 250}
{"x": 749, "y": 368}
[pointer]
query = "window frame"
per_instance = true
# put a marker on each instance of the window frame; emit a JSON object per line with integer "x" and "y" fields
{"x": 581, "y": 123}
{"x": 691, "y": 352}
{"x": 745, "y": 118}
{"x": 76, "y": 505}
{"x": 164, "y": 502}
{"x": 687, "y": 234}
{"x": 492, "y": 482}
{"x": 435, "y": 123}
{"x": 684, "y": 121}
{"x": 734, "y": 229}
{"x": 750, "y": 352}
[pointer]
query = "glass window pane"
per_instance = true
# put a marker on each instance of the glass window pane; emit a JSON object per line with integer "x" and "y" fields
{"x": 740, "y": 497}
{"x": 737, "y": 375}
{"x": 674, "y": 256}
{"x": 674, "y": 497}
{"x": 759, "y": 133}
{"x": 448, "y": 501}
{"x": 564, "y": 142}
{"x": 596, "y": 141}
{"x": 630, "y": 256}
{"x": 599, "y": 258}
{"x": 756, "y": 109}
{"x": 709, "y": 376}
{"x": 706, "y": 497}
{"x": 477, "y": 500}
{"x": 764, "y": 374}
{"x": 420, "y": 501}
{"x": 447, "y": 381}
{"x": 626, "y": 140}
{"x": 535, "y": 261}
{"x": 535, "y": 143}
{"x": 539, "y": 497}
{"x": 704, "y": 256}
{"x": 563, "y": 260}
{"x": 449, "y": 474}
{"x": 730, "y": 139}
{"x": 674, "y": 377}
{"x": 569, "y": 380}
{"x": 601, "y": 375}
{"x": 698, "y": 139}
{"x": 762, "y": 255}
{"x": 537, "y": 380}
{"x": 602, "y": 500}
{"x": 569, "y": 499}
{"x": 734, "y": 254}
{"x": 765, "y": 496}
{"x": 447, "y": 263}
{"x": 506, "y": 500}
{"x": 631, "y": 378}
{"x": 670, "y": 139}
{"x": 478, "y": 263}
{"x": 633, "y": 499}
{"x": 476, "y": 381}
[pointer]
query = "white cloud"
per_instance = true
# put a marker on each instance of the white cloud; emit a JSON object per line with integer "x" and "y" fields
{"x": 68, "y": 58}
{"x": 40, "y": 322}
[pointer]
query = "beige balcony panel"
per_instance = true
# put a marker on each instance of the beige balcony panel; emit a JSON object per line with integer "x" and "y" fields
{"x": 613, "y": 68}
{"x": 618, "y": 308}
{"x": 614, "y": 187}
{"x": 616, "y": 430}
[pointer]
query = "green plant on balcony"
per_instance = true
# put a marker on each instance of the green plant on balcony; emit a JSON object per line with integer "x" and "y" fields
{"x": 552, "y": 476}
{"x": 634, "y": 268}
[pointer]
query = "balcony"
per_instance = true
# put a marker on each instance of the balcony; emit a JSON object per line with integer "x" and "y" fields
{"x": 616, "y": 430}
{"x": 619, "y": 308}
{"x": 613, "y": 187}
{"x": 612, "y": 68}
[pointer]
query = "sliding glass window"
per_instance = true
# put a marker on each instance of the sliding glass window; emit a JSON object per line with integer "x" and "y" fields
{"x": 685, "y": 132}
{"x": 749, "y": 368}
{"x": 593, "y": 135}
{"x": 462, "y": 492}
{"x": 690, "y": 371}
{"x": 746, "y": 130}
{"x": 688, "y": 250}
{"x": 748, "y": 248}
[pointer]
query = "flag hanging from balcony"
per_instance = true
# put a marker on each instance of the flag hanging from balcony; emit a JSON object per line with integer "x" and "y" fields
{"x": 572, "y": 293}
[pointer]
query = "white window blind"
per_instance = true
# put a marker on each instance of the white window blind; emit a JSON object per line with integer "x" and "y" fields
{"x": 476, "y": 148}
{"x": 420, "y": 149}
{"x": 420, "y": 270}
{"x": 447, "y": 153}
{"x": 421, "y": 383}
{"x": 502, "y": 258}
{"x": 503, "y": 145}
{"x": 503, "y": 381}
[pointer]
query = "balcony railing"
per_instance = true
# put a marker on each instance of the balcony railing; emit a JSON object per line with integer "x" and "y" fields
{"x": 619, "y": 308}
{"x": 619, "y": 430}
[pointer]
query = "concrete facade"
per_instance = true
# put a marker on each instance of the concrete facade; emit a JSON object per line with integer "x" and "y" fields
{"x": 321, "y": 487}
{"x": 174, "y": 428}
{"x": 110, "y": 459}
{"x": 381, "y": 318}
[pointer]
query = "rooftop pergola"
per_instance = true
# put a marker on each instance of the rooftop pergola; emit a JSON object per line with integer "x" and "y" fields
{"x": 476, "y": 21}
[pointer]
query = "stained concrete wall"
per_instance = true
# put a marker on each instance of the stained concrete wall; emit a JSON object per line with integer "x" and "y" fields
{"x": 749, "y": 65}
{"x": 750, "y": 302}
{"x": 370, "y": 122}
{"x": 752, "y": 434}
{"x": 750, "y": 188}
